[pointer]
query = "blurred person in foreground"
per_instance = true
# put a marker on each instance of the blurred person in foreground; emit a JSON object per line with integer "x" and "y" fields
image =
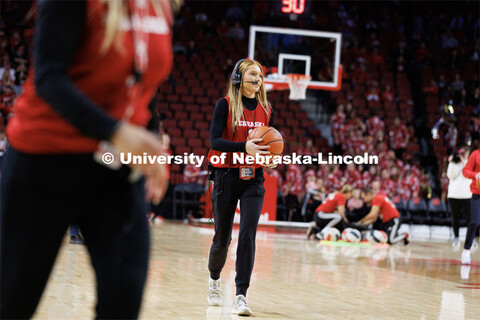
{"x": 472, "y": 171}
{"x": 94, "y": 74}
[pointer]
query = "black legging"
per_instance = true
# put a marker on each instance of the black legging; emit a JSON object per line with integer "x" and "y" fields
{"x": 40, "y": 196}
{"x": 391, "y": 228}
{"x": 474, "y": 221}
{"x": 327, "y": 219}
{"x": 459, "y": 207}
{"x": 228, "y": 189}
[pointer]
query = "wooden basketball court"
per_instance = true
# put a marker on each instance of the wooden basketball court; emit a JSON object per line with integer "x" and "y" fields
{"x": 293, "y": 279}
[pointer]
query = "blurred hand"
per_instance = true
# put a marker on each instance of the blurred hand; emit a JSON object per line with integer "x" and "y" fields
{"x": 156, "y": 184}
{"x": 137, "y": 140}
{"x": 365, "y": 222}
{"x": 252, "y": 148}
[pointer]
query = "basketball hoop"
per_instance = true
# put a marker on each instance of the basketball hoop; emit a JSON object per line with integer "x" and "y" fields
{"x": 298, "y": 84}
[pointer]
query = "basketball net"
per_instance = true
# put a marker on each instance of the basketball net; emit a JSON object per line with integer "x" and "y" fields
{"x": 298, "y": 84}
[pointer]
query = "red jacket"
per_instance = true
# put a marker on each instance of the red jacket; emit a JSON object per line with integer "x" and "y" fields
{"x": 38, "y": 128}
{"x": 471, "y": 169}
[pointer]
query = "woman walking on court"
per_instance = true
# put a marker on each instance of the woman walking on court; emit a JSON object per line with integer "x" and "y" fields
{"x": 244, "y": 108}
{"x": 95, "y": 72}
{"x": 472, "y": 171}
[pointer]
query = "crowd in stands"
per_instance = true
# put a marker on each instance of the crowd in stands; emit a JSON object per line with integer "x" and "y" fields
{"x": 377, "y": 110}
{"x": 15, "y": 38}
{"x": 15, "y": 45}
{"x": 445, "y": 48}
{"x": 13, "y": 72}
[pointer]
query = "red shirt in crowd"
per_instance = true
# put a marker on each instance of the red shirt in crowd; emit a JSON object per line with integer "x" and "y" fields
{"x": 398, "y": 136}
{"x": 294, "y": 177}
{"x": 389, "y": 186}
{"x": 275, "y": 174}
{"x": 407, "y": 187}
{"x": 7, "y": 102}
{"x": 332, "y": 202}
{"x": 387, "y": 208}
{"x": 365, "y": 180}
{"x": 444, "y": 181}
{"x": 322, "y": 172}
{"x": 188, "y": 171}
{"x": 309, "y": 173}
{"x": 375, "y": 124}
{"x": 383, "y": 163}
{"x": 337, "y": 122}
{"x": 333, "y": 182}
{"x": 387, "y": 96}
{"x": 360, "y": 146}
{"x": 337, "y": 117}
{"x": 353, "y": 178}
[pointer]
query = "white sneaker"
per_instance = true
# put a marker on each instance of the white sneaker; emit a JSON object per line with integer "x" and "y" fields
{"x": 214, "y": 292}
{"x": 466, "y": 257}
{"x": 456, "y": 241}
{"x": 240, "y": 306}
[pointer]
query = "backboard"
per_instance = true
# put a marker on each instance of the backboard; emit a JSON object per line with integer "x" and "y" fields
{"x": 283, "y": 51}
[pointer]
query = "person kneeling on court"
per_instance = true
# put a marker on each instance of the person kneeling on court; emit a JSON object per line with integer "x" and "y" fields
{"x": 383, "y": 215}
{"x": 325, "y": 216}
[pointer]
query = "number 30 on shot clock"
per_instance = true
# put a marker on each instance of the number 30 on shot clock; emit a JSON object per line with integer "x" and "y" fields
{"x": 293, "y": 6}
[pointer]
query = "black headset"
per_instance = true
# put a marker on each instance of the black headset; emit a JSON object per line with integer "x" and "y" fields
{"x": 237, "y": 75}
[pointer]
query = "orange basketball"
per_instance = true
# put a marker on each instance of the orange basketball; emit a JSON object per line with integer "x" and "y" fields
{"x": 478, "y": 184}
{"x": 271, "y": 137}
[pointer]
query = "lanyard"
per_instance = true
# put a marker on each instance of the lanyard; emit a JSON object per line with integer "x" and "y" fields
{"x": 254, "y": 121}
{"x": 138, "y": 15}
{"x": 137, "y": 12}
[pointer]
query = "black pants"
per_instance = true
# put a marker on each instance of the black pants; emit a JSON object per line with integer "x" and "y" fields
{"x": 227, "y": 190}
{"x": 390, "y": 227}
{"x": 357, "y": 214}
{"x": 331, "y": 220}
{"x": 40, "y": 197}
{"x": 459, "y": 207}
{"x": 474, "y": 221}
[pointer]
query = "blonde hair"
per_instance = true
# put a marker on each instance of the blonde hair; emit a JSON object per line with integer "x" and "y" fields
{"x": 117, "y": 10}
{"x": 234, "y": 92}
{"x": 346, "y": 189}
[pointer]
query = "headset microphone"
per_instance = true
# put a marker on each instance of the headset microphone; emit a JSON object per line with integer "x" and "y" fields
{"x": 237, "y": 75}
